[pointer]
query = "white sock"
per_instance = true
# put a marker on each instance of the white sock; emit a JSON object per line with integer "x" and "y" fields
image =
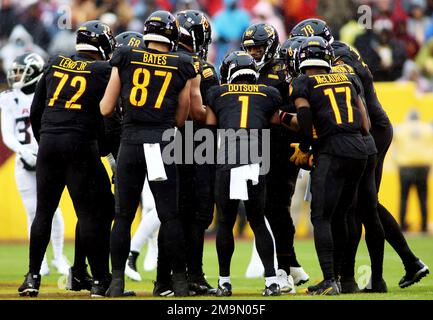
{"x": 223, "y": 280}
{"x": 270, "y": 280}
{"x": 57, "y": 235}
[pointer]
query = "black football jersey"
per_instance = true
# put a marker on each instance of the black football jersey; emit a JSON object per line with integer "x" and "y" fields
{"x": 242, "y": 106}
{"x": 336, "y": 118}
{"x": 151, "y": 83}
{"x": 274, "y": 74}
{"x": 68, "y": 95}
{"x": 348, "y": 55}
{"x": 209, "y": 78}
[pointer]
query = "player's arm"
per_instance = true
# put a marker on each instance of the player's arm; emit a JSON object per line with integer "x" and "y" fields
{"x": 289, "y": 120}
{"x": 366, "y": 125}
{"x": 304, "y": 117}
{"x": 38, "y": 106}
{"x": 8, "y": 129}
{"x": 211, "y": 119}
{"x": 111, "y": 95}
{"x": 197, "y": 110}
{"x": 275, "y": 119}
{"x": 183, "y": 104}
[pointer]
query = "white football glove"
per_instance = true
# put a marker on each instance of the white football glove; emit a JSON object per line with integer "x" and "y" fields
{"x": 28, "y": 157}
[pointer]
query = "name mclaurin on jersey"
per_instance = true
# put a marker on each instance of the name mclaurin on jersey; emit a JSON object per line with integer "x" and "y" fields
{"x": 331, "y": 78}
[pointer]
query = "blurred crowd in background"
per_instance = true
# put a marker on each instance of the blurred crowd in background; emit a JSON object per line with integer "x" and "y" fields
{"x": 398, "y": 46}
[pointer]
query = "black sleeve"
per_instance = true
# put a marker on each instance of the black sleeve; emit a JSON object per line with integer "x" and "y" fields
{"x": 211, "y": 96}
{"x": 209, "y": 78}
{"x": 300, "y": 88}
{"x": 187, "y": 68}
{"x": 119, "y": 58}
{"x": 38, "y": 105}
{"x": 275, "y": 95}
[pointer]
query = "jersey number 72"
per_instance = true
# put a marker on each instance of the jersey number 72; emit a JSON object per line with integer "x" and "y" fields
{"x": 79, "y": 81}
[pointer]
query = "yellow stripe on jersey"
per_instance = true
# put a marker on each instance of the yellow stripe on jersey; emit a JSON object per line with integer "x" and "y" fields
{"x": 161, "y": 54}
{"x": 331, "y": 83}
{"x": 243, "y": 92}
{"x": 207, "y": 73}
{"x": 72, "y": 70}
{"x": 153, "y": 65}
{"x": 273, "y": 76}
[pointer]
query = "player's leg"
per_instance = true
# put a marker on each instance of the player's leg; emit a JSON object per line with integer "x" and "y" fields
{"x": 415, "y": 268}
{"x": 147, "y": 228}
{"x": 326, "y": 187}
{"x": 204, "y": 180}
{"x": 265, "y": 245}
{"x": 130, "y": 175}
{"x": 171, "y": 234}
{"x": 50, "y": 185}
{"x": 84, "y": 173}
{"x": 225, "y": 242}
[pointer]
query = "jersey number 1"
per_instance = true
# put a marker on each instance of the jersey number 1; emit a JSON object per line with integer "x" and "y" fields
{"x": 245, "y": 100}
{"x": 331, "y": 95}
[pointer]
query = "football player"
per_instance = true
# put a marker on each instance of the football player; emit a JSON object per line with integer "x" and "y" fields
{"x": 25, "y": 72}
{"x": 148, "y": 227}
{"x": 381, "y": 130}
{"x": 65, "y": 120}
{"x": 196, "y": 181}
{"x": 154, "y": 85}
{"x": 331, "y": 103}
{"x": 240, "y": 104}
{"x": 261, "y": 41}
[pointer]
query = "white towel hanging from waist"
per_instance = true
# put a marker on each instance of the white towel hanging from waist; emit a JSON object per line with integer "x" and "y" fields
{"x": 155, "y": 165}
{"x": 238, "y": 180}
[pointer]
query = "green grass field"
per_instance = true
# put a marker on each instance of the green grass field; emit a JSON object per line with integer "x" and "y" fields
{"x": 13, "y": 265}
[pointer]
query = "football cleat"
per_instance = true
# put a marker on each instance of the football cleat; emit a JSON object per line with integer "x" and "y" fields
{"x": 376, "y": 287}
{"x": 225, "y": 290}
{"x": 272, "y": 291}
{"x": 79, "y": 280}
{"x": 62, "y": 265}
{"x": 348, "y": 285}
{"x": 162, "y": 289}
{"x": 199, "y": 285}
{"x": 414, "y": 274}
{"x": 30, "y": 286}
{"x": 180, "y": 285}
{"x": 117, "y": 289}
{"x": 324, "y": 288}
{"x": 285, "y": 282}
{"x": 299, "y": 275}
{"x": 100, "y": 287}
{"x": 131, "y": 267}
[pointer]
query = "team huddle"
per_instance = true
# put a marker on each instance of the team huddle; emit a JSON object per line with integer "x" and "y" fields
{"x": 120, "y": 97}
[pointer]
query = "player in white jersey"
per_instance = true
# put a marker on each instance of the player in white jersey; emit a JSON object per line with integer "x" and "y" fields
{"x": 18, "y": 136}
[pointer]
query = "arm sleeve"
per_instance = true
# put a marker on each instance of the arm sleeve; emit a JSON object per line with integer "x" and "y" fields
{"x": 300, "y": 88}
{"x": 119, "y": 57}
{"x": 187, "y": 68}
{"x": 8, "y": 126}
{"x": 38, "y": 107}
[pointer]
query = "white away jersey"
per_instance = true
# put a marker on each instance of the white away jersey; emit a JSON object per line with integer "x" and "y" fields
{"x": 15, "y": 119}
